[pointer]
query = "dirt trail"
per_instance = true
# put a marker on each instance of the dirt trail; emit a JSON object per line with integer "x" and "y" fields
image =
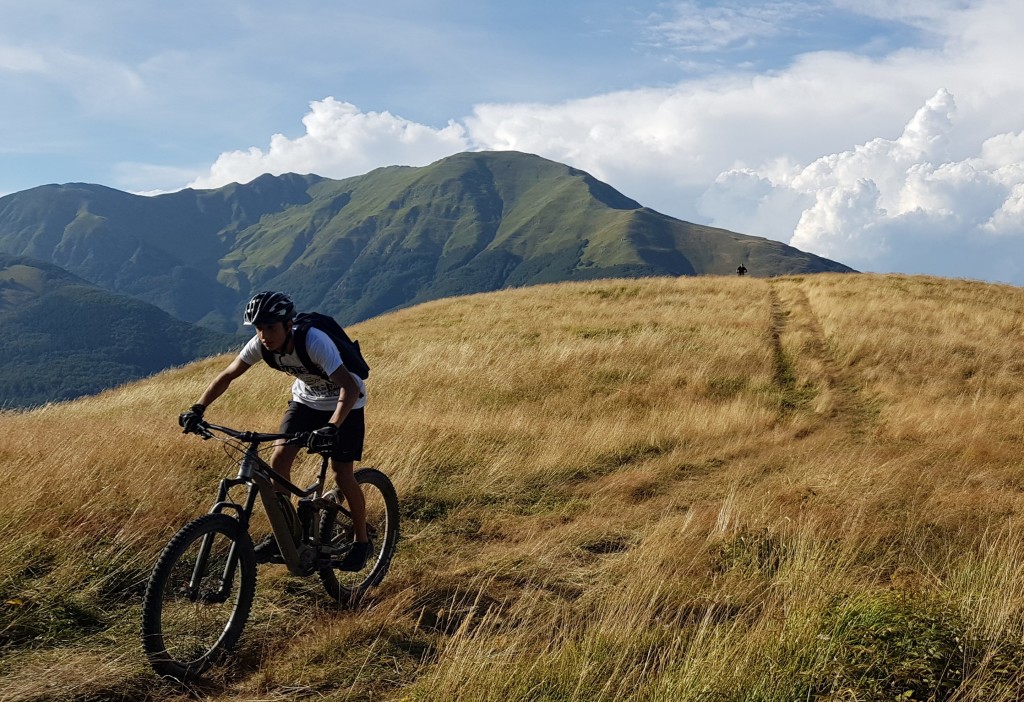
{"x": 806, "y": 366}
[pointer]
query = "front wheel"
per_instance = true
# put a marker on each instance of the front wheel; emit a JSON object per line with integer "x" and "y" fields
{"x": 199, "y": 596}
{"x": 336, "y": 531}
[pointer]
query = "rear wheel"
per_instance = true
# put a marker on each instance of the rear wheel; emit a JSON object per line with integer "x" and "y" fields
{"x": 336, "y": 531}
{"x": 199, "y": 596}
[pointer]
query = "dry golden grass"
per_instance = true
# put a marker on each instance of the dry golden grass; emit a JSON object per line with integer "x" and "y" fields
{"x": 664, "y": 489}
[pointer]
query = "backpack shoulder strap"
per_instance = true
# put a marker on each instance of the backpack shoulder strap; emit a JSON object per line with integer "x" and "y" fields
{"x": 348, "y": 350}
{"x": 299, "y": 332}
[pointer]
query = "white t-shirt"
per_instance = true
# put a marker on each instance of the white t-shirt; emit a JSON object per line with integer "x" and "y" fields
{"x": 309, "y": 388}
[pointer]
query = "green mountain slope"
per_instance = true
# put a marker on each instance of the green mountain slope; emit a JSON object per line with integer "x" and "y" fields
{"x": 64, "y": 337}
{"x": 357, "y": 247}
{"x": 163, "y": 250}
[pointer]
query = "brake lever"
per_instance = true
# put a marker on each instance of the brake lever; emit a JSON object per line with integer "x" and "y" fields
{"x": 200, "y": 430}
{"x": 299, "y": 439}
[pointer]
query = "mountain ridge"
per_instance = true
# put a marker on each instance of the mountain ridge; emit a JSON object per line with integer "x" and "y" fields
{"x": 360, "y": 246}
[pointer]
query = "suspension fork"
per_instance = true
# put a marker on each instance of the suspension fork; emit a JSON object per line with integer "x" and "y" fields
{"x": 243, "y": 511}
{"x": 228, "y": 576}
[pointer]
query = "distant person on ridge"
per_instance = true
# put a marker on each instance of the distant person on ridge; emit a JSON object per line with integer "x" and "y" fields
{"x": 331, "y": 408}
{"x": 741, "y": 270}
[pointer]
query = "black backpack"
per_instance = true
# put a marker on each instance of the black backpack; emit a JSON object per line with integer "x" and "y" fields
{"x": 351, "y": 356}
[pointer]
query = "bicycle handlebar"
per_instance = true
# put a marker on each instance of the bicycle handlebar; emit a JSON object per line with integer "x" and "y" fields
{"x": 205, "y": 429}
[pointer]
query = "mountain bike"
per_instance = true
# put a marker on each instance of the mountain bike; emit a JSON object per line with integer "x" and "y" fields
{"x": 201, "y": 590}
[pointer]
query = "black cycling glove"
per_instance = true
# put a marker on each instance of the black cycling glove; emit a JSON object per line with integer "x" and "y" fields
{"x": 190, "y": 419}
{"x": 322, "y": 440}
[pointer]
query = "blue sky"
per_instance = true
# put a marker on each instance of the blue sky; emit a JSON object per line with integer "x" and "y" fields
{"x": 886, "y": 135}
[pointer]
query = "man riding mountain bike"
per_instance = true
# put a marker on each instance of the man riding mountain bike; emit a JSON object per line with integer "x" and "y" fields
{"x": 328, "y": 404}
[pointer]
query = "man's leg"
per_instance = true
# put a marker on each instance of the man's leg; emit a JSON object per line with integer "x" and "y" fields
{"x": 281, "y": 461}
{"x": 297, "y": 418}
{"x": 344, "y": 475}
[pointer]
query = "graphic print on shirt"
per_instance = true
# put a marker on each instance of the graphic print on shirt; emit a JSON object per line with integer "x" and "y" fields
{"x": 315, "y": 385}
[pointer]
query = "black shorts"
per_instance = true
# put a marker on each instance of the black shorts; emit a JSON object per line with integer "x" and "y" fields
{"x": 349, "y": 444}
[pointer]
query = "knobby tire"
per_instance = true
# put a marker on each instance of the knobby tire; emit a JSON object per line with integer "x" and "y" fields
{"x": 185, "y": 629}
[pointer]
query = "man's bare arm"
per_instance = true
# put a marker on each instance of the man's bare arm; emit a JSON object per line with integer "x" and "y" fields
{"x": 348, "y": 394}
{"x": 236, "y": 368}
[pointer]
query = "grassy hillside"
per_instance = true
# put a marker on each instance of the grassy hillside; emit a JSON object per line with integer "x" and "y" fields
{"x": 660, "y": 489}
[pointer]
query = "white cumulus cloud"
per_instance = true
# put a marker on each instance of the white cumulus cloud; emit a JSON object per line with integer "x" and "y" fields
{"x": 340, "y": 141}
{"x": 912, "y": 161}
{"x": 892, "y": 205}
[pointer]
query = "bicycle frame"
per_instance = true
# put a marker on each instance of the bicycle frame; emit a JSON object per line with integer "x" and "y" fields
{"x": 260, "y": 478}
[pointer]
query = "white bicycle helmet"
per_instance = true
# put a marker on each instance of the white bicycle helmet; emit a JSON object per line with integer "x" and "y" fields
{"x": 268, "y": 307}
